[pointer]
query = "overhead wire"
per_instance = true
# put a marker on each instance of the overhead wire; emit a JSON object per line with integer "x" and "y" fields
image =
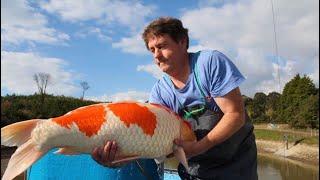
{"x": 276, "y": 45}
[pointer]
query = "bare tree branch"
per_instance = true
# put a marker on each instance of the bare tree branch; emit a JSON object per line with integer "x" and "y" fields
{"x": 85, "y": 86}
{"x": 42, "y": 80}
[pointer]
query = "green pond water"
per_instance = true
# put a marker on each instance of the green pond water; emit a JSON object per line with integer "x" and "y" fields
{"x": 270, "y": 168}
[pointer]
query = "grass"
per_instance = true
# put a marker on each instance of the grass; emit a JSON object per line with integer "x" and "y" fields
{"x": 279, "y": 136}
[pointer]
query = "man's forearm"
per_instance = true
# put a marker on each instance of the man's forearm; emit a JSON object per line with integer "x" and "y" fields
{"x": 226, "y": 127}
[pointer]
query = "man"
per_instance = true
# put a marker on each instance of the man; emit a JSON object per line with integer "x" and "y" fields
{"x": 203, "y": 87}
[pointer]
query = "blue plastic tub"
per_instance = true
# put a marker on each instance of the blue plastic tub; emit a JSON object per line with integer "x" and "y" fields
{"x": 171, "y": 175}
{"x": 82, "y": 167}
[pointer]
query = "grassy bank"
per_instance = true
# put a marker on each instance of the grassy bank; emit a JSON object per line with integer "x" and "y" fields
{"x": 273, "y": 135}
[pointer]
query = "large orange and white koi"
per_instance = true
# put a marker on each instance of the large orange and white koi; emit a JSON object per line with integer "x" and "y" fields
{"x": 141, "y": 130}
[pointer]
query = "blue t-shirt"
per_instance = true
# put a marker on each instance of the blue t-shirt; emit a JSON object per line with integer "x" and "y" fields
{"x": 217, "y": 75}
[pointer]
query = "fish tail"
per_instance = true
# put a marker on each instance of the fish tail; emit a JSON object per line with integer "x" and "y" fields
{"x": 21, "y": 160}
{"x": 18, "y": 134}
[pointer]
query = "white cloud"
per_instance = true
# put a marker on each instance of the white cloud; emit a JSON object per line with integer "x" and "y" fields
{"x": 122, "y": 96}
{"x": 93, "y": 31}
{"x": 134, "y": 45}
{"x": 254, "y": 66}
{"x": 197, "y": 48}
{"x": 152, "y": 69}
{"x": 21, "y": 23}
{"x": 77, "y": 10}
{"x": 129, "y": 13}
{"x": 18, "y": 68}
{"x": 315, "y": 74}
{"x": 117, "y": 14}
{"x": 216, "y": 3}
{"x": 244, "y": 31}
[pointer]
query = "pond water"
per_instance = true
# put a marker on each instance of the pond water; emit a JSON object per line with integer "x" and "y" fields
{"x": 282, "y": 169}
{"x": 275, "y": 169}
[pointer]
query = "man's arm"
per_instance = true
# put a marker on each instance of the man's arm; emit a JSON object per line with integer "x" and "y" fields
{"x": 233, "y": 119}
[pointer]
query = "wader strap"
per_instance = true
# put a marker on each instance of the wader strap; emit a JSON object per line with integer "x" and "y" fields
{"x": 197, "y": 76}
{"x": 205, "y": 98}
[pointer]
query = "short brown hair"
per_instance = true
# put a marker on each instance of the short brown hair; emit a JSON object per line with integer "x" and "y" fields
{"x": 166, "y": 25}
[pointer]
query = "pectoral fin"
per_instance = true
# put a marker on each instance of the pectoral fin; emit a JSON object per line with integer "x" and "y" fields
{"x": 180, "y": 156}
{"x": 121, "y": 159}
{"x": 160, "y": 160}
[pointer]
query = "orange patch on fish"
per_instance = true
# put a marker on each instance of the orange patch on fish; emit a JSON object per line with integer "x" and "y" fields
{"x": 88, "y": 119}
{"x": 132, "y": 113}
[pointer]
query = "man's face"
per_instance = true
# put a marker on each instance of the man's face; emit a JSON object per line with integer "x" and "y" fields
{"x": 167, "y": 53}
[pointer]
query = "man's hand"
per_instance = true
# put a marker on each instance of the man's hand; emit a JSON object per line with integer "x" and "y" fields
{"x": 106, "y": 155}
{"x": 191, "y": 148}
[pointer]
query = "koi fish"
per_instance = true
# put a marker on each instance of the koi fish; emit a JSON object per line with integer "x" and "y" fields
{"x": 141, "y": 130}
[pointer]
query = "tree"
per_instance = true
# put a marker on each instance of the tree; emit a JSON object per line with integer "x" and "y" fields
{"x": 272, "y": 106}
{"x": 308, "y": 113}
{"x": 298, "y": 101}
{"x": 258, "y": 107}
{"x": 248, "y": 103}
{"x": 85, "y": 86}
{"x": 42, "y": 79}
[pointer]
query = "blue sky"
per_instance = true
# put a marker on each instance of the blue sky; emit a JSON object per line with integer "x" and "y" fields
{"x": 99, "y": 41}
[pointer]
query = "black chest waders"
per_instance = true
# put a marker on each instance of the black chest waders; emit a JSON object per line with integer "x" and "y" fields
{"x": 233, "y": 159}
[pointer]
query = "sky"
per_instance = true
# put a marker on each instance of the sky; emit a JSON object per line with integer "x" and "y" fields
{"x": 99, "y": 42}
